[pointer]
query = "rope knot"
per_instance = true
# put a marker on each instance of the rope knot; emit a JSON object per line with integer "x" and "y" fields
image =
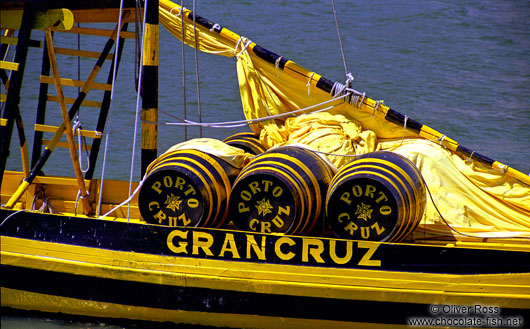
{"x": 349, "y": 79}
{"x": 244, "y": 47}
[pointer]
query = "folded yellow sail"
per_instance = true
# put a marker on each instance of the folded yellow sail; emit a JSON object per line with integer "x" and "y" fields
{"x": 473, "y": 194}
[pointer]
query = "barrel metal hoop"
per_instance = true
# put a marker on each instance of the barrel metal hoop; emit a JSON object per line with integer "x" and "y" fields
{"x": 209, "y": 159}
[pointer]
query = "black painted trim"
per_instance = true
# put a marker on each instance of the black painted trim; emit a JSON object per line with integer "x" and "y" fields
{"x": 325, "y": 84}
{"x": 399, "y": 119}
{"x": 205, "y": 22}
{"x": 473, "y": 155}
{"x": 151, "y": 239}
{"x": 149, "y": 87}
{"x": 269, "y": 56}
{"x": 220, "y": 300}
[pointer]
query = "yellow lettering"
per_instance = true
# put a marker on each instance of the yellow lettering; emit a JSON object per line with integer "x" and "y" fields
{"x": 333, "y": 252}
{"x": 341, "y": 217}
{"x": 282, "y": 210}
{"x": 168, "y": 181}
{"x": 184, "y": 220}
{"x": 180, "y": 183}
{"x": 278, "y": 248}
{"x": 241, "y": 207}
{"x": 377, "y": 228}
{"x": 156, "y": 186}
{"x": 152, "y": 205}
{"x": 204, "y": 241}
{"x": 254, "y": 187}
{"x": 277, "y": 221}
{"x": 172, "y": 221}
{"x": 160, "y": 216}
{"x": 357, "y": 190}
{"x": 190, "y": 190}
{"x": 370, "y": 191}
{"x": 229, "y": 245}
{"x": 385, "y": 210}
{"x": 277, "y": 191}
{"x": 351, "y": 228}
{"x": 193, "y": 203}
{"x": 365, "y": 232}
{"x": 181, "y": 249}
{"x": 251, "y": 242}
{"x": 265, "y": 227}
{"x": 245, "y": 195}
{"x": 366, "y": 260}
{"x": 345, "y": 197}
{"x": 267, "y": 183}
{"x": 315, "y": 247}
{"x": 382, "y": 197}
{"x": 252, "y": 224}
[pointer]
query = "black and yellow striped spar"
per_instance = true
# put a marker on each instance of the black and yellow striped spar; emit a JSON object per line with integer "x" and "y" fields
{"x": 71, "y": 113}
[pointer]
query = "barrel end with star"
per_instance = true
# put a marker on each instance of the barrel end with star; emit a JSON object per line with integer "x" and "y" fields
{"x": 186, "y": 188}
{"x": 379, "y": 196}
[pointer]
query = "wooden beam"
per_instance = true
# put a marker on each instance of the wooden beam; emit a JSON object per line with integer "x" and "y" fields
{"x": 97, "y": 32}
{"x": 8, "y": 66}
{"x": 106, "y": 15}
{"x": 65, "y": 145}
{"x": 68, "y": 128}
{"x": 53, "y": 129}
{"x": 80, "y": 53}
{"x": 14, "y": 41}
{"x": 70, "y": 100}
{"x": 76, "y": 83}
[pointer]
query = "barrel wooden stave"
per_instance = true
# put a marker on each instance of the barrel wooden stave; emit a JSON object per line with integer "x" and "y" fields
{"x": 247, "y": 141}
{"x": 187, "y": 188}
{"x": 385, "y": 198}
{"x": 304, "y": 178}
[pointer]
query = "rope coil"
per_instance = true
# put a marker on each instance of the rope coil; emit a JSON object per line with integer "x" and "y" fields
{"x": 81, "y": 141}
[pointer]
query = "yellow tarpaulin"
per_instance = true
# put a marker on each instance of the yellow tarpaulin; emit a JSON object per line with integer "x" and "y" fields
{"x": 471, "y": 197}
{"x": 236, "y": 157}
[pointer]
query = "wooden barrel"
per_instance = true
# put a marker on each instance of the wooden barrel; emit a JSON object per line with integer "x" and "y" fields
{"x": 186, "y": 188}
{"x": 379, "y": 196}
{"x": 247, "y": 141}
{"x": 280, "y": 191}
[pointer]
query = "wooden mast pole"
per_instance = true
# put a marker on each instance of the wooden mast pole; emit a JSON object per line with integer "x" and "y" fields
{"x": 149, "y": 86}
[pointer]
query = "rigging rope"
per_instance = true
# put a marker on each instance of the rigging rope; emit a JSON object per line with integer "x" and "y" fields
{"x": 340, "y": 38}
{"x": 109, "y": 120}
{"x": 183, "y": 67}
{"x": 240, "y": 123}
{"x": 81, "y": 140}
{"x": 197, "y": 69}
{"x": 138, "y": 96}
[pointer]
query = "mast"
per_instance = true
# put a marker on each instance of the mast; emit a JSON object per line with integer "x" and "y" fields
{"x": 149, "y": 86}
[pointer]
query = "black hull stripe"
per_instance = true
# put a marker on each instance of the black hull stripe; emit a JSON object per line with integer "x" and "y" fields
{"x": 213, "y": 300}
{"x": 151, "y": 239}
